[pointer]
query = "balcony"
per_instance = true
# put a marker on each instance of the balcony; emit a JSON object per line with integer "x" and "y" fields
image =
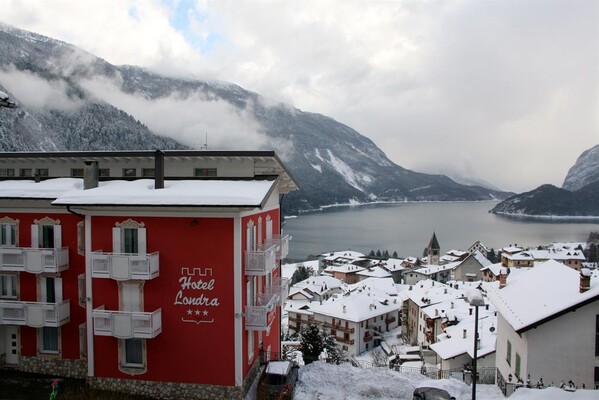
{"x": 368, "y": 337}
{"x": 124, "y": 266}
{"x": 127, "y": 324}
{"x": 35, "y": 261}
{"x": 261, "y": 261}
{"x": 338, "y": 327}
{"x": 34, "y": 314}
{"x": 282, "y": 243}
{"x": 260, "y": 316}
{"x": 390, "y": 319}
{"x": 344, "y": 340}
{"x": 280, "y": 286}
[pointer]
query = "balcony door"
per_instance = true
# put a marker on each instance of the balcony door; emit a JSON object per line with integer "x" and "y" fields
{"x": 50, "y": 289}
{"x": 46, "y": 234}
{"x": 129, "y": 240}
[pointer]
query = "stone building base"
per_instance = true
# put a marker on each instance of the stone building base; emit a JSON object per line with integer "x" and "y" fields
{"x": 54, "y": 366}
{"x": 175, "y": 390}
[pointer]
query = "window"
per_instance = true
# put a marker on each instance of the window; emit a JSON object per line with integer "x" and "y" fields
{"x": 77, "y": 172}
{"x": 518, "y": 366}
{"x": 203, "y": 172}
{"x": 81, "y": 289}
{"x": 129, "y": 240}
{"x": 8, "y": 286}
{"x": 49, "y": 340}
{"x": 47, "y": 236}
{"x": 133, "y": 353}
{"x": 82, "y": 341}
{"x": 7, "y": 172}
{"x": 25, "y": 172}
{"x": 8, "y": 235}
{"x": 81, "y": 238}
{"x": 597, "y": 336}
{"x": 104, "y": 172}
{"x": 148, "y": 172}
{"x": 508, "y": 356}
{"x": 42, "y": 172}
{"x": 129, "y": 172}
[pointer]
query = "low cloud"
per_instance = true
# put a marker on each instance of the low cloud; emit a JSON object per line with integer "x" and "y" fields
{"x": 36, "y": 92}
{"x": 186, "y": 119}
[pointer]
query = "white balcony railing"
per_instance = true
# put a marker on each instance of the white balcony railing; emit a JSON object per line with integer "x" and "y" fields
{"x": 260, "y": 316}
{"x": 282, "y": 243}
{"x": 34, "y": 314}
{"x": 125, "y": 266}
{"x": 127, "y": 324}
{"x": 35, "y": 261}
{"x": 261, "y": 261}
{"x": 280, "y": 286}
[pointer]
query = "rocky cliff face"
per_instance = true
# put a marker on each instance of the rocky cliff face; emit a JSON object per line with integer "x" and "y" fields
{"x": 332, "y": 162}
{"x": 584, "y": 171}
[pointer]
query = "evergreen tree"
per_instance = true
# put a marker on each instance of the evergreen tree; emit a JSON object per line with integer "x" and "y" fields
{"x": 300, "y": 274}
{"x": 311, "y": 343}
{"x": 371, "y": 254}
{"x": 378, "y": 253}
{"x": 386, "y": 254}
{"x": 334, "y": 354}
{"x": 395, "y": 255}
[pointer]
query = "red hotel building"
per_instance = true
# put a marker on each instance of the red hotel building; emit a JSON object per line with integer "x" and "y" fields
{"x": 154, "y": 273}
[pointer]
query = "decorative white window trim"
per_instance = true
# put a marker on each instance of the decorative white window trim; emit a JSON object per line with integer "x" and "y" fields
{"x": 9, "y": 220}
{"x": 46, "y": 221}
{"x": 129, "y": 223}
{"x": 81, "y": 238}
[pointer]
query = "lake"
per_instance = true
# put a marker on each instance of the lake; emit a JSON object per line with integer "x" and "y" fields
{"x": 408, "y": 227}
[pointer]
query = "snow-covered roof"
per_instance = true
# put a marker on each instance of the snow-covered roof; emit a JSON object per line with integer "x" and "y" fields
{"x": 181, "y": 192}
{"x": 484, "y": 261}
{"x": 556, "y": 254}
{"x": 344, "y": 268}
{"x": 376, "y": 272}
{"x": 453, "y": 343}
{"x": 511, "y": 249}
{"x": 393, "y": 264}
{"x": 368, "y": 299}
{"x": 47, "y": 189}
{"x": 433, "y": 269}
{"x": 456, "y": 253}
{"x": 494, "y": 268}
{"x": 315, "y": 284}
{"x": 349, "y": 254}
{"x": 555, "y": 287}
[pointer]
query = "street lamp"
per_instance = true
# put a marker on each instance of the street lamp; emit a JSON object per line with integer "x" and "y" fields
{"x": 475, "y": 298}
{"x": 5, "y": 101}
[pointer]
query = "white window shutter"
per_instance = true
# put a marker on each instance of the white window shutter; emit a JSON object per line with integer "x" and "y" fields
{"x": 58, "y": 289}
{"x": 35, "y": 242}
{"x": 268, "y": 229}
{"x": 116, "y": 240}
{"x": 57, "y": 236}
{"x": 141, "y": 241}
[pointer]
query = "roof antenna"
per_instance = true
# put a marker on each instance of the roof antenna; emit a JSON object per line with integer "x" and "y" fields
{"x": 205, "y": 145}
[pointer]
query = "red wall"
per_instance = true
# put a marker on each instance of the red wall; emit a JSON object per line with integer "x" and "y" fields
{"x": 69, "y": 333}
{"x": 271, "y": 339}
{"x": 184, "y": 351}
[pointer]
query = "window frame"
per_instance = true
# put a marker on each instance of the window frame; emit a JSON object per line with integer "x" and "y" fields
{"x": 508, "y": 356}
{"x": 10, "y": 282}
{"x": 42, "y": 340}
{"x": 129, "y": 172}
{"x": 205, "y": 172}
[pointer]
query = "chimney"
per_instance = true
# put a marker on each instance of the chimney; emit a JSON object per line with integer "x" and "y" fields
{"x": 585, "y": 280}
{"x": 90, "y": 175}
{"x": 502, "y": 278}
{"x": 464, "y": 334}
{"x": 452, "y": 305}
{"x": 436, "y": 312}
{"x": 158, "y": 170}
{"x": 344, "y": 308}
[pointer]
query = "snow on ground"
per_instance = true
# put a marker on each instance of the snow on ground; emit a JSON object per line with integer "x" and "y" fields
{"x": 320, "y": 381}
{"x": 344, "y": 382}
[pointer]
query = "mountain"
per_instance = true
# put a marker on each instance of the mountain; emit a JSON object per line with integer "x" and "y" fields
{"x": 584, "y": 171}
{"x": 548, "y": 200}
{"x": 579, "y": 196}
{"x": 332, "y": 162}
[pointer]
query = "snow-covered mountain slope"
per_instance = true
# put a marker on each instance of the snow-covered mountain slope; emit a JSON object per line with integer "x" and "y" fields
{"x": 69, "y": 99}
{"x": 584, "y": 171}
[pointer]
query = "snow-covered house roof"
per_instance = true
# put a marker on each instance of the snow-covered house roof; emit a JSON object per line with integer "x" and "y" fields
{"x": 495, "y": 269}
{"x": 180, "y": 193}
{"x": 511, "y": 249}
{"x": 367, "y": 299}
{"x": 376, "y": 272}
{"x": 344, "y": 269}
{"x": 456, "y": 253}
{"x": 484, "y": 261}
{"x": 315, "y": 285}
{"x": 393, "y": 264}
{"x": 556, "y": 254}
{"x": 347, "y": 254}
{"x": 556, "y": 290}
{"x": 453, "y": 343}
{"x": 430, "y": 292}
{"x": 429, "y": 269}
{"x": 567, "y": 245}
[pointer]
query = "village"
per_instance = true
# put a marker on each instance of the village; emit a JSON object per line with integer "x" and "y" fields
{"x": 413, "y": 314}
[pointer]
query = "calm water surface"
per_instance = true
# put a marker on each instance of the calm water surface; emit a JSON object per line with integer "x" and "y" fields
{"x": 407, "y": 229}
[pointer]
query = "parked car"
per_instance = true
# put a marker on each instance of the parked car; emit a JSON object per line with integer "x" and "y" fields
{"x": 278, "y": 380}
{"x": 431, "y": 393}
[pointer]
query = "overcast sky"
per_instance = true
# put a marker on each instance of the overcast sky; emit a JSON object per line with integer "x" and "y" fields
{"x": 503, "y": 91}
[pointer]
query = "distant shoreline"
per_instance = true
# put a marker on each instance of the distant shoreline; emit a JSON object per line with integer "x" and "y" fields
{"x": 565, "y": 218}
{"x": 373, "y": 203}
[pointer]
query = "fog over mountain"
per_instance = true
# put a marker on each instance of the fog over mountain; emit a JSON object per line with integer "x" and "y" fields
{"x": 69, "y": 99}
